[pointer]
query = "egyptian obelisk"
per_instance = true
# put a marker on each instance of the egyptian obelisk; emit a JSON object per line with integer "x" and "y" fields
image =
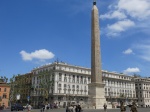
{"x": 96, "y": 87}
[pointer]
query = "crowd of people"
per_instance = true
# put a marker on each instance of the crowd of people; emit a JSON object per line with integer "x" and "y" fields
{"x": 78, "y": 108}
{"x": 72, "y": 108}
{"x": 123, "y": 107}
{"x": 133, "y": 107}
{"x": 48, "y": 106}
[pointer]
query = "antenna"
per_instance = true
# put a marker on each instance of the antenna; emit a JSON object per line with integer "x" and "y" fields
{"x": 57, "y": 60}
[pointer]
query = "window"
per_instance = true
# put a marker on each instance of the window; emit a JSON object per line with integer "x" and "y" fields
{"x": 59, "y": 85}
{"x": 54, "y": 68}
{"x": 77, "y": 79}
{"x": 85, "y": 81}
{"x": 68, "y": 86}
{"x": 89, "y": 79}
{"x": 4, "y": 89}
{"x": 65, "y": 78}
{"x": 73, "y": 86}
{"x": 52, "y": 76}
{"x": 4, "y": 96}
{"x": 69, "y": 78}
{"x": 73, "y": 79}
{"x": 0, "y": 89}
{"x": 81, "y": 80}
{"x": 60, "y": 77}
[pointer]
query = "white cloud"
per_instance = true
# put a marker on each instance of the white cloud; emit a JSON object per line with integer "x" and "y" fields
{"x": 135, "y": 8}
{"x": 143, "y": 50}
{"x": 135, "y": 11}
{"x": 132, "y": 70}
{"x": 128, "y": 51}
{"x": 115, "y": 14}
{"x": 41, "y": 54}
{"x": 120, "y": 26}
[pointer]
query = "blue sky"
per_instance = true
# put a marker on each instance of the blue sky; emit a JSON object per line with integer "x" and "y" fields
{"x": 36, "y": 32}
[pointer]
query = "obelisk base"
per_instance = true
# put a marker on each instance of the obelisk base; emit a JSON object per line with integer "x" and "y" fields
{"x": 96, "y": 96}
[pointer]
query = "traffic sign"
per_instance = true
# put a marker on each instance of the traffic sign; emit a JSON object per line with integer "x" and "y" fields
{"x": 28, "y": 98}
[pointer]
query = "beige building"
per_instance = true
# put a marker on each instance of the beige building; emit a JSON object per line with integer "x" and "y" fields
{"x": 71, "y": 85}
{"x": 4, "y": 94}
{"x": 23, "y": 87}
{"x": 119, "y": 87}
{"x": 143, "y": 91}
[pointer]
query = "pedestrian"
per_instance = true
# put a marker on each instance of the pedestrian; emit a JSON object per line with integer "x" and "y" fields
{"x": 133, "y": 107}
{"x": 122, "y": 107}
{"x": 43, "y": 107}
{"x": 76, "y": 108}
{"x": 67, "y": 109}
{"x": 79, "y": 108}
{"x": 29, "y": 108}
{"x": 105, "y": 107}
{"x": 73, "y": 109}
{"x": 46, "y": 106}
{"x": 70, "y": 108}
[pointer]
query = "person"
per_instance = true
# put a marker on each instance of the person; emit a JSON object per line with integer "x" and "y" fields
{"x": 46, "y": 105}
{"x": 122, "y": 107}
{"x": 67, "y": 109}
{"x": 133, "y": 107}
{"x": 70, "y": 108}
{"x": 29, "y": 108}
{"x": 43, "y": 107}
{"x": 105, "y": 107}
{"x": 73, "y": 110}
{"x": 76, "y": 108}
{"x": 79, "y": 108}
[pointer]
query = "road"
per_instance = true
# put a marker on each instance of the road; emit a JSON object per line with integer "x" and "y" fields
{"x": 84, "y": 110}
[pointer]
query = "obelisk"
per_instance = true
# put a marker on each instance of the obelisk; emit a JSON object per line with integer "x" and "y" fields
{"x": 96, "y": 87}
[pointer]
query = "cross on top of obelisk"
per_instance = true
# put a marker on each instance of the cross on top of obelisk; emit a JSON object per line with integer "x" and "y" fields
{"x": 94, "y": 2}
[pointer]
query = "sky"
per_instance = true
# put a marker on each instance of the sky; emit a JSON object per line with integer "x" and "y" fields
{"x": 37, "y": 32}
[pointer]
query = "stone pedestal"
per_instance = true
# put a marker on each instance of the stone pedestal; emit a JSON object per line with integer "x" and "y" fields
{"x": 96, "y": 95}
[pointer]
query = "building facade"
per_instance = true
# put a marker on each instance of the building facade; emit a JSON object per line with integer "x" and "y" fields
{"x": 70, "y": 85}
{"x": 143, "y": 91}
{"x": 119, "y": 87}
{"x": 22, "y": 86}
{"x": 4, "y": 94}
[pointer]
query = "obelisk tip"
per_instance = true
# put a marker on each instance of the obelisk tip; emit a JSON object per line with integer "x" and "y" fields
{"x": 94, "y": 2}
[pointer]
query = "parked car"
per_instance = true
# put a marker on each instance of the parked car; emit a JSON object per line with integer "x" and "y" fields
{"x": 17, "y": 107}
{"x": 1, "y": 107}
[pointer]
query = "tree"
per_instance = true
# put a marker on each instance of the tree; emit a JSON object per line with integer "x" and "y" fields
{"x": 4, "y": 79}
{"x": 12, "y": 88}
{"x": 15, "y": 87}
{"x": 46, "y": 83}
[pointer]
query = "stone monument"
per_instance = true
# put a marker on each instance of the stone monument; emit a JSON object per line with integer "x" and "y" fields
{"x": 96, "y": 87}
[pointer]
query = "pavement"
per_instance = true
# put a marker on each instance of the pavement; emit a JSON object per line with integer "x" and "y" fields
{"x": 84, "y": 110}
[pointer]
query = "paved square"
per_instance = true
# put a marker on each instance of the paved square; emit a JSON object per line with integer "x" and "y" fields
{"x": 85, "y": 110}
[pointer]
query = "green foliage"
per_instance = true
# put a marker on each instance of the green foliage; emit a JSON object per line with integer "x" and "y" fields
{"x": 46, "y": 83}
{"x": 4, "y": 79}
